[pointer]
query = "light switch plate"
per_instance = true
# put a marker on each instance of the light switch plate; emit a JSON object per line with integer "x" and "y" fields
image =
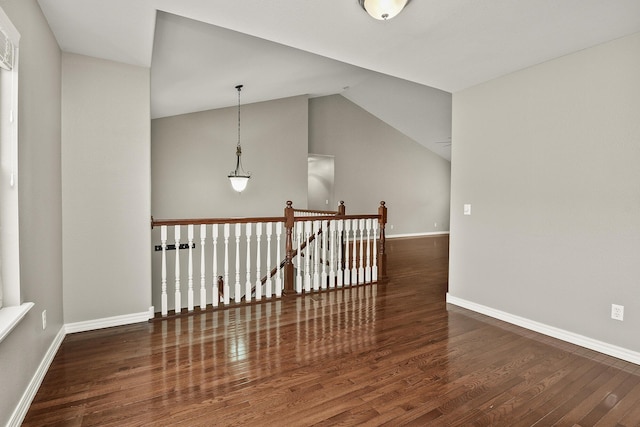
{"x": 467, "y": 209}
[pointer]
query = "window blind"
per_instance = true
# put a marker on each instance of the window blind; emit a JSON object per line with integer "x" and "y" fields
{"x": 6, "y": 51}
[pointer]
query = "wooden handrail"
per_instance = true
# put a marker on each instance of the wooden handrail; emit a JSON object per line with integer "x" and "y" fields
{"x": 340, "y": 211}
{"x": 329, "y": 218}
{"x": 200, "y": 221}
{"x": 244, "y": 220}
{"x": 316, "y": 211}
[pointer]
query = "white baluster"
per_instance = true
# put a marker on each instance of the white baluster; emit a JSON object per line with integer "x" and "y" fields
{"x": 367, "y": 270}
{"x": 215, "y": 290}
{"x": 332, "y": 252}
{"x": 178, "y": 297}
{"x": 299, "y": 227}
{"x": 163, "y": 240}
{"x": 325, "y": 254}
{"x": 361, "y": 269}
{"x": 190, "y": 268}
{"x": 354, "y": 261}
{"x": 248, "y": 284}
{"x": 339, "y": 243}
{"x": 347, "y": 260}
{"x": 268, "y": 285}
{"x": 258, "y": 278}
{"x": 237, "y": 297}
{"x": 203, "y": 289}
{"x": 278, "y": 258}
{"x": 316, "y": 255}
{"x": 227, "y": 287}
{"x": 374, "y": 269}
{"x": 307, "y": 261}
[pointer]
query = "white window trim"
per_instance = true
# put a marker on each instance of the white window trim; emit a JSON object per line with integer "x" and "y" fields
{"x": 11, "y": 316}
{"x": 13, "y": 309}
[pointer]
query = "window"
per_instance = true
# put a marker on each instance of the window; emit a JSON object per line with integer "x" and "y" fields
{"x": 11, "y": 307}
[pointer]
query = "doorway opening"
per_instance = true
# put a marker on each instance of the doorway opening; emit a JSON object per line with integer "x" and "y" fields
{"x": 320, "y": 169}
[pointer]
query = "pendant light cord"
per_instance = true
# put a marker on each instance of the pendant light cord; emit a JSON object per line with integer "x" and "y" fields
{"x": 239, "y": 87}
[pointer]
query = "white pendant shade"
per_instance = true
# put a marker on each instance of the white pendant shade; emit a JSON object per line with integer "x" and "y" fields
{"x": 239, "y": 183}
{"x": 384, "y": 9}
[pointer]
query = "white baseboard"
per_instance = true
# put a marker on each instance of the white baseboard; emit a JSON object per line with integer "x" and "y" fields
{"x": 435, "y": 233}
{"x": 561, "y": 334}
{"x": 108, "y": 322}
{"x": 27, "y": 397}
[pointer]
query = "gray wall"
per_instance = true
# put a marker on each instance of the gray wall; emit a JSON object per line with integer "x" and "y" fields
{"x": 375, "y": 162}
{"x": 106, "y": 188}
{"x": 40, "y": 202}
{"x": 548, "y": 158}
{"x": 192, "y": 154}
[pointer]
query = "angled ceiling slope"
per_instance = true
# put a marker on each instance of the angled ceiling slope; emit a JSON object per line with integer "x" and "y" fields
{"x": 196, "y": 66}
{"x": 449, "y": 45}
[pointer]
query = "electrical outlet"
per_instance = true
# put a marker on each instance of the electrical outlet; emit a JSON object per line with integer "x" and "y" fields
{"x": 44, "y": 319}
{"x": 617, "y": 312}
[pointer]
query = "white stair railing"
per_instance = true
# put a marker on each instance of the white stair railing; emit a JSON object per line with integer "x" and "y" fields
{"x": 354, "y": 253}
{"x": 328, "y": 251}
{"x": 346, "y": 271}
{"x": 190, "y": 264}
{"x": 215, "y": 252}
{"x": 178, "y": 294}
{"x": 279, "y": 282}
{"x": 320, "y": 246}
{"x": 237, "y": 297}
{"x": 258, "y": 283}
{"x": 163, "y": 295}
{"x": 203, "y": 288}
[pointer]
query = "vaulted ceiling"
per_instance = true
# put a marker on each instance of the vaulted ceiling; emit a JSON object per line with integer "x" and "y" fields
{"x": 401, "y": 70}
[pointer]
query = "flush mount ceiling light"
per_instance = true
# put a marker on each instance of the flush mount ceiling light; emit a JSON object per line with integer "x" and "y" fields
{"x": 383, "y": 9}
{"x": 239, "y": 178}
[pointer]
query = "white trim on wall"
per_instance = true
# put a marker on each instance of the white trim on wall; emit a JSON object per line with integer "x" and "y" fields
{"x": 434, "y": 233}
{"x": 107, "y": 322}
{"x": 561, "y": 334}
{"x": 11, "y": 316}
{"x": 27, "y": 397}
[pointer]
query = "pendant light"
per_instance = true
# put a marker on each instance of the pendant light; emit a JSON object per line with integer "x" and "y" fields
{"x": 239, "y": 178}
{"x": 383, "y": 9}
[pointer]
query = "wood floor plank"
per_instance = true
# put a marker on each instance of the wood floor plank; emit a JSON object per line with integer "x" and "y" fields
{"x": 619, "y": 405}
{"x": 393, "y": 354}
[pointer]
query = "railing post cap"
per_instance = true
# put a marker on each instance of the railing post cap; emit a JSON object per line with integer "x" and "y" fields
{"x": 289, "y": 203}
{"x": 382, "y": 203}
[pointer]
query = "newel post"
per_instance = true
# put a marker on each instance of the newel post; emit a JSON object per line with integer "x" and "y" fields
{"x": 382, "y": 254}
{"x": 341, "y": 208}
{"x": 288, "y": 260}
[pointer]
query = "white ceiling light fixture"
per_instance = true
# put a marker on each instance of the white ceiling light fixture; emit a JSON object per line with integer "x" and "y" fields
{"x": 239, "y": 178}
{"x": 383, "y": 9}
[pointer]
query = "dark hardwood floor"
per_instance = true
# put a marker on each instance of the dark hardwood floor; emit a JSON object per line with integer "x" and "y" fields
{"x": 392, "y": 354}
